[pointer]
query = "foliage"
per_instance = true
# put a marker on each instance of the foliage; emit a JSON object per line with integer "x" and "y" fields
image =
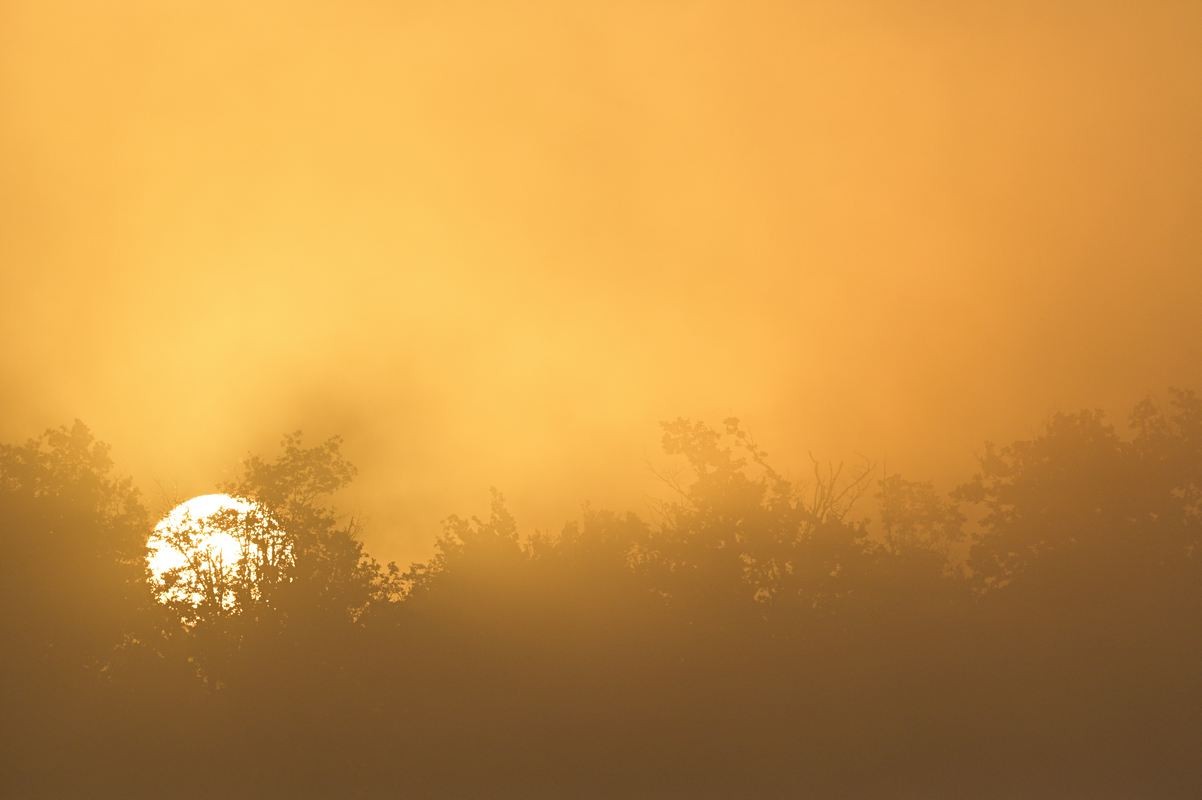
{"x": 212, "y": 580}
{"x": 1034, "y": 633}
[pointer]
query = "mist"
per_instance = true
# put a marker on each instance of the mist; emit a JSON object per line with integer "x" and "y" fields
{"x": 496, "y": 246}
{"x": 665, "y": 399}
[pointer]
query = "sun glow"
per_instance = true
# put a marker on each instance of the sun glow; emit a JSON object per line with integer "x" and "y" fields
{"x": 201, "y": 549}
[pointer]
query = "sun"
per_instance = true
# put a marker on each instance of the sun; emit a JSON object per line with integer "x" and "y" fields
{"x": 198, "y": 549}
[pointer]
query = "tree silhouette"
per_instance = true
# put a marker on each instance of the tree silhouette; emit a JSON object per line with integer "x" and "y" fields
{"x": 1035, "y": 633}
{"x": 71, "y": 588}
{"x": 330, "y": 571}
{"x": 257, "y": 557}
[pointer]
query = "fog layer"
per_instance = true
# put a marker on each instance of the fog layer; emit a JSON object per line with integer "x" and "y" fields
{"x": 496, "y": 245}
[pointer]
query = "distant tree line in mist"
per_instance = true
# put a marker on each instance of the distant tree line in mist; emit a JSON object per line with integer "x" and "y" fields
{"x": 1035, "y": 633}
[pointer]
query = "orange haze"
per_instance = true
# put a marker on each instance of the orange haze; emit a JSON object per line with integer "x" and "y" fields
{"x": 494, "y": 244}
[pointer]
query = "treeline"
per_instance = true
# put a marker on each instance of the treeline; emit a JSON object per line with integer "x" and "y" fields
{"x": 1036, "y": 633}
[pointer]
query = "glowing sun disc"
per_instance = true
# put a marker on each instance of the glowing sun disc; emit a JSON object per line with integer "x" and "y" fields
{"x": 162, "y": 557}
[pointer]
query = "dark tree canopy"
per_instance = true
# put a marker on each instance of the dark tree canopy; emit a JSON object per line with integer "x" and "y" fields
{"x": 1036, "y": 632}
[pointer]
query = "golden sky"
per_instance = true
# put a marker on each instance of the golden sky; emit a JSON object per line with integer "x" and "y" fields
{"x": 495, "y": 243}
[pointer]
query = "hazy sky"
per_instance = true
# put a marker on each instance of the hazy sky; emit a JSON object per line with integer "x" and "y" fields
{"x": 495, "y": 243}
